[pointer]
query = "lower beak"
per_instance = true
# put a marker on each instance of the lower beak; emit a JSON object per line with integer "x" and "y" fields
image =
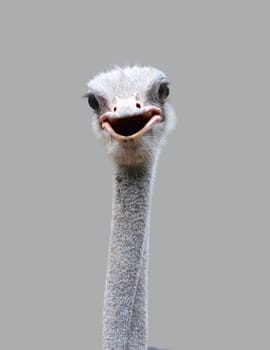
{"x": 111, "y": 127}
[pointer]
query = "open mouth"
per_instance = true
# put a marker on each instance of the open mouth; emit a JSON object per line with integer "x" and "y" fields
{"x": 128, "y": 128}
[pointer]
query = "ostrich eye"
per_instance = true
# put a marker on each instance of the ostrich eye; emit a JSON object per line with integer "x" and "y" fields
{"x": 93, "y": 102}
{"x": 163, "y": 91}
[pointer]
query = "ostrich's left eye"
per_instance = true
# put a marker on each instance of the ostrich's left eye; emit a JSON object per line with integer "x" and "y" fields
{"x": 163, "y": 91}
{"x": 93, "y": 102}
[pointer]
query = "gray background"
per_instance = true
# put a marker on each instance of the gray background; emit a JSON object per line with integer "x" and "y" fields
{"x": 209, "y": 278}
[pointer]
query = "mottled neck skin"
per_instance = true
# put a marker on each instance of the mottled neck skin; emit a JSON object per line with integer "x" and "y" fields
{"x": 125, "y": 303}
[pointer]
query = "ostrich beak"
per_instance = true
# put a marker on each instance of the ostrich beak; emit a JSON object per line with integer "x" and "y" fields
{"x": 129, "y": 120}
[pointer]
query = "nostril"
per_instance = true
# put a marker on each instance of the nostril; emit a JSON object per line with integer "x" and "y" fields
{"x": 114, "y": 108}
{"x": 138, "y": 105}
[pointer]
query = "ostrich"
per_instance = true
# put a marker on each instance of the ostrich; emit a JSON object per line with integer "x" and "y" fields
{"x": 132, "y": 118}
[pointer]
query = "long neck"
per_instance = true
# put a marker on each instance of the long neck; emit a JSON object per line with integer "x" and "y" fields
{"x": 125, "y": 304}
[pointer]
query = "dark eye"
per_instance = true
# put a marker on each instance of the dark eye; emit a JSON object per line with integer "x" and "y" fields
{"x": 93, "y": 102}
{"x": 163, "y": 91}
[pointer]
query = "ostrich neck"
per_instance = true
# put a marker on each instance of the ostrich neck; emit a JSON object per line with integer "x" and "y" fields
{"x": 125, "y": 303}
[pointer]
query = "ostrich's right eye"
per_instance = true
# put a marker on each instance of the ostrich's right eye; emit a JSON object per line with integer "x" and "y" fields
{"x": 93, "y": 102}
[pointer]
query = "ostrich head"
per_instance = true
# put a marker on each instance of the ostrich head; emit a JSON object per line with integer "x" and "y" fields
{"x": 132, "y": 115}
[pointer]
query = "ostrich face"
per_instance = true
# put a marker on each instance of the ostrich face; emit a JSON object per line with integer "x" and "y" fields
{"x": 132, "y": 115}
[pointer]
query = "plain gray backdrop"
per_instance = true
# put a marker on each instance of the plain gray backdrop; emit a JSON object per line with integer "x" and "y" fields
{"x": 209, "y": 268}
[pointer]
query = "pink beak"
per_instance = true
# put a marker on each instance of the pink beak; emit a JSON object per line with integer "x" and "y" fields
{"x": 129, "y": 119}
